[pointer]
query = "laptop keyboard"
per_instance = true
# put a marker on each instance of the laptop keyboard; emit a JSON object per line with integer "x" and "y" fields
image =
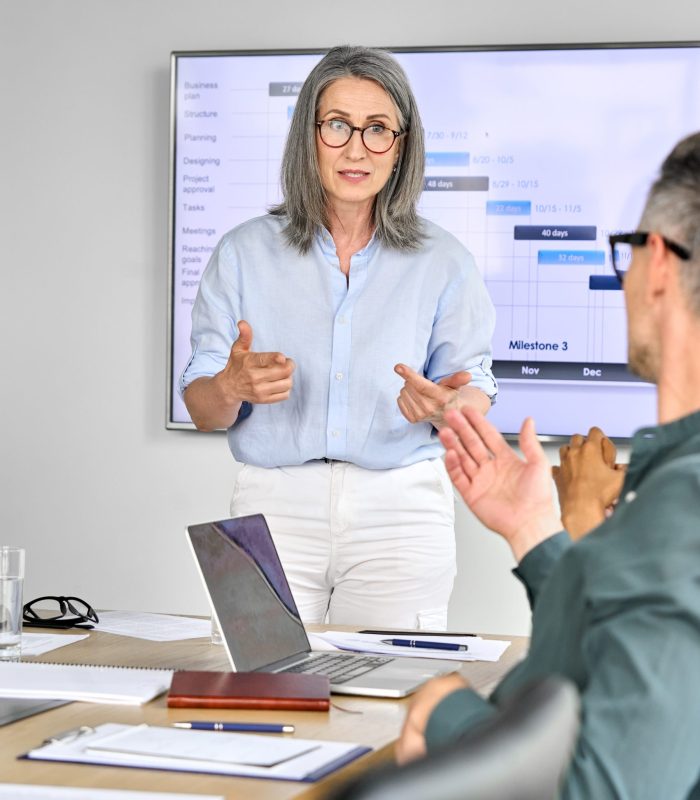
{"x": 339, "y": 668}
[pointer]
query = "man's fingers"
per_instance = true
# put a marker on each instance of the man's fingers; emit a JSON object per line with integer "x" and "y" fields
{"x": 456, "y": 457}
{"x": 609, "y": 451}
{"x": 595, "y": 434}
{"x": 470, "y": 438}
{"x": 410, "y": 746}
{"x": 529, "y": 443}
{"x": 460, "y": 480}
{"x": 487, "y": 432}
{"x": 577, "y": 440}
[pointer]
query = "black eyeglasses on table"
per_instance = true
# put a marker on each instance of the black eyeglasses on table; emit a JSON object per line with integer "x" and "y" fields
{"x": 621, "y": 245}
{"x": 53, "y": 611}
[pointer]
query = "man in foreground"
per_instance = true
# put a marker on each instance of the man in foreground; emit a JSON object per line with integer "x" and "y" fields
{"x": 619, "y": 612}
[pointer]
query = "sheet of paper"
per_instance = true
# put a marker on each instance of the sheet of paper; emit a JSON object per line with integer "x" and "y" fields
{"x": 36, "y": 644}
{"x": 154, "y": 627}
{"x": 478, "y": 649}
{"x": 320, "y": 645}
{"x": 222, "y": 747}
{"x": 323, "y": 757}
{"x": 16, "y": 791}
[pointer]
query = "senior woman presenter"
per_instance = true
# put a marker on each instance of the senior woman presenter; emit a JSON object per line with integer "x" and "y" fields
{"x": 328, "y": 337}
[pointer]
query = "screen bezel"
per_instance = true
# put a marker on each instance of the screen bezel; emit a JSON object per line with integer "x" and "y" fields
{"x": 176, "y": 55}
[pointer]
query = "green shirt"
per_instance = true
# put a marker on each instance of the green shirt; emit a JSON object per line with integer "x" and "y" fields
{"x": 619, "y": 615}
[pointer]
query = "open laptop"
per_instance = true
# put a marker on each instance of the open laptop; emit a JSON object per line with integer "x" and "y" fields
{"x": 261, "y": 626}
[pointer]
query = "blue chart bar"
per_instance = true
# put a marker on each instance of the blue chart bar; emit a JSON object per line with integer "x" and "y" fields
{"x": 605, "y": 283}
{"x": 594, "y": 258}
{"x": 447, "y": 159}
{"x": 290, "y": 112}
{"x": 508, "y": 208}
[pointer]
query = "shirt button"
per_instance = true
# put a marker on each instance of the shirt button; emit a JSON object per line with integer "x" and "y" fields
{"x": 342, "y": 320}
{"x": 339, "y": 376}
{"x": 630, "y": 496}
{"x": 335, "y": 434}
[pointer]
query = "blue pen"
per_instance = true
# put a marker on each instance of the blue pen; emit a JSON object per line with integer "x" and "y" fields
{"x": 425, "y": 645}
{"x": 240, "y": 727}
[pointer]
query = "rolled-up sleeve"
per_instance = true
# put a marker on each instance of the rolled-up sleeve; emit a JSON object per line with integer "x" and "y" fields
{"x": 463, "y": 329}
{"x": 215, "y": 317}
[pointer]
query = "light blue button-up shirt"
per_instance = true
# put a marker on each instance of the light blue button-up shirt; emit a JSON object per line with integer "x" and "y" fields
{"x": 428, "y": 309}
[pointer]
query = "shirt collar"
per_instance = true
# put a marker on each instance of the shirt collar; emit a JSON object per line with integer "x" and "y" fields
{"x": 327, "y": 245}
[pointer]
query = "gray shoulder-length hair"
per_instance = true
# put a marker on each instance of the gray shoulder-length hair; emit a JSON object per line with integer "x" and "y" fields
{"x": 305, "y": 206}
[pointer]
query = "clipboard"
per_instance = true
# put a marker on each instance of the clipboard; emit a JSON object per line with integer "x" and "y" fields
{"x": 83, "y": 745}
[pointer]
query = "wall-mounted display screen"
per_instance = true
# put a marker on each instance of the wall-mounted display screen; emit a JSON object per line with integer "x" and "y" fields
{"x": 534, "y": 156}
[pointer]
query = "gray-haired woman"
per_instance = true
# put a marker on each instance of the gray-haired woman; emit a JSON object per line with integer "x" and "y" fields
{"x": 328, "y": 338}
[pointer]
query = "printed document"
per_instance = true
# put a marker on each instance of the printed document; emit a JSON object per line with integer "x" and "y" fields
{"x": 154, "y": 627}
{"x": 186, "y": 750}
{"x": 478, "y": 649}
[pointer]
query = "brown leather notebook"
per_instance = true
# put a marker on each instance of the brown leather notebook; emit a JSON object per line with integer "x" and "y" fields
{"x": 288, "y": 691}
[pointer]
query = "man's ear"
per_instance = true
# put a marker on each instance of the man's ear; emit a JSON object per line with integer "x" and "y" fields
{"x": 659, "y": 266}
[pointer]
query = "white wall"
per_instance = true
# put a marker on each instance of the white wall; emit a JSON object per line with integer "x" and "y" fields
{"x": 92, "y": 484}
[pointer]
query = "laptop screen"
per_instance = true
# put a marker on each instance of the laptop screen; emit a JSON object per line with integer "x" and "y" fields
{"x": 248, "y": 588}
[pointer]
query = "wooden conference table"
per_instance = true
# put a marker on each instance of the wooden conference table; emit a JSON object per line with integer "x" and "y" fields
{"x": 378, "y": 725}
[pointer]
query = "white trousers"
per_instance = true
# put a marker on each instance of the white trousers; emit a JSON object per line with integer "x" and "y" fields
{"x": 359, "y": 546}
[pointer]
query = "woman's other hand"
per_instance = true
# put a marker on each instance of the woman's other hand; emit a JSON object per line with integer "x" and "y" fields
{"x": 421, "y": 400}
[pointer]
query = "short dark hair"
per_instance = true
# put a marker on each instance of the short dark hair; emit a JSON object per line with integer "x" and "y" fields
{"x": 395, "y": 217}
{"x": 673, "y": 208}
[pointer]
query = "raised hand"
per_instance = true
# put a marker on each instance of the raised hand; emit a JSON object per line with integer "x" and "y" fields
{"x": 509, "y": 494}
{"x": 421, "y": 400}
{"x": 255, "y": 377}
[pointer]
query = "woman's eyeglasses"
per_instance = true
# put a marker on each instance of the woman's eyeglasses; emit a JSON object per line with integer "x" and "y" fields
{"x": 54, "y": 612}
{"x": 376, "y": 137}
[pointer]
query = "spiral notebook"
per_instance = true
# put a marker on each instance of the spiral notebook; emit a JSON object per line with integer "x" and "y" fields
{"x": 86, "y": 683}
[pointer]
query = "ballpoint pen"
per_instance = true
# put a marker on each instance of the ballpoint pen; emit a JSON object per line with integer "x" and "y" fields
{"x": 240, "y": 727}
{"x": 417, "y": 633}
{"x": 427, "y": 645}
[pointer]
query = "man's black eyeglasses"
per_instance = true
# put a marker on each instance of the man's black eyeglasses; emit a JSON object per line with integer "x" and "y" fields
{"x": 52, "y": 612}
{"x": 621, "y": 245}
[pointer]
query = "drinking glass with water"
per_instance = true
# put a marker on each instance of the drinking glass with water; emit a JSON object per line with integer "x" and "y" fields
{"x": 11, "y": 580}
